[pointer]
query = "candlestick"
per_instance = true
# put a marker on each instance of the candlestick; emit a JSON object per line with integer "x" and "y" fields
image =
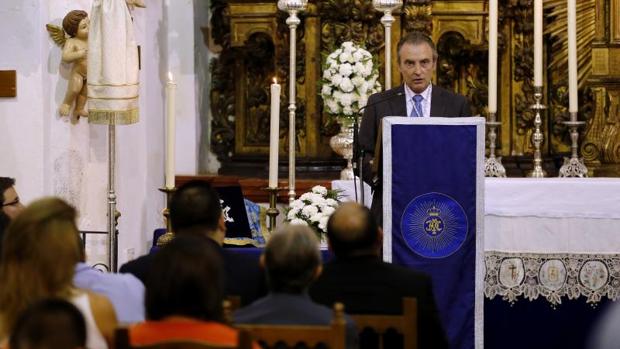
{"x": 387, "y": 6}
{"x": 572, "y": 58}
{"x": 538, "y": 42}
{"x": 537, "y": 136}
{"x": 493, "y": 56}
{"x": 274, "y": 136}
{"x": 170, "y": 131}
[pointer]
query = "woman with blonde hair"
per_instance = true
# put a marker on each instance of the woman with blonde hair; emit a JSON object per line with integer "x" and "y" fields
{"x": 40, "y": 250}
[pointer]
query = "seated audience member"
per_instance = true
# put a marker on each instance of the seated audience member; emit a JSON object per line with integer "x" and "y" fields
{"x": 184, "y": 295}
{"x": 40, "y": 250}
{"x": 125, "y": 291}
{"x": 292, "y": 260}
{"x": 359, "y": 279}
{"x": 195, "y": 210}
{"x": 49, "y": 324}
{"x": 11, "y": 206}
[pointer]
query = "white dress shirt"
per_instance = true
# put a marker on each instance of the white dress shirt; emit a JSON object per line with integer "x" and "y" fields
{"x": 426, "y": 102}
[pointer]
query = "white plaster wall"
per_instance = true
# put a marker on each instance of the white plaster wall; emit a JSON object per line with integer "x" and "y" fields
{"x": 22, "y": 122}
{"x": 50, "y": 155}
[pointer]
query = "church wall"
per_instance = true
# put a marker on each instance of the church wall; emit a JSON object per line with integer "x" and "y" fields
{"x": 50, "y": 155}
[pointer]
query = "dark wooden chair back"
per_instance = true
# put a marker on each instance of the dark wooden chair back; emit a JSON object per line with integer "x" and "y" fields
{"x": 332, "y": 336}
{"x": 122, "y": 342}
{"x": 405, "y": 324}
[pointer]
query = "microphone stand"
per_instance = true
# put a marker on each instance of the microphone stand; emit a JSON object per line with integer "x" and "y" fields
{"x": 360, "y": 158}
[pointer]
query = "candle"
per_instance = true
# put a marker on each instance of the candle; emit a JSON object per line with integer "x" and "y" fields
{"x": 274, "y": 135}
{"x": 171, "y": 87}
{"x": 493, "y": 56}
{"x": 572, "y": 57}
{"x": 538, "y": 42}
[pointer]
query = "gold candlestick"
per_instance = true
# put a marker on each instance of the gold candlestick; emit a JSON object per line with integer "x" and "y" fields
{"x": 169, "y": 235}
{"x": 272, "y": 211}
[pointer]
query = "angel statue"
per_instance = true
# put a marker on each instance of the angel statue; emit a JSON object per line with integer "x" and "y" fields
{"x": 74, "y": 50}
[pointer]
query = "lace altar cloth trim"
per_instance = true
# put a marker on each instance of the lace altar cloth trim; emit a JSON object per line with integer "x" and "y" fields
{"x": 552, "y": 276}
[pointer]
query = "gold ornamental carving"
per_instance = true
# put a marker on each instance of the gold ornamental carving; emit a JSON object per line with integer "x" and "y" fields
{"x": 254, "y": 41}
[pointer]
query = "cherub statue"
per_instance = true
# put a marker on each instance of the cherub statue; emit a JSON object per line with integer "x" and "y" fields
{"x": 74, "y": 50}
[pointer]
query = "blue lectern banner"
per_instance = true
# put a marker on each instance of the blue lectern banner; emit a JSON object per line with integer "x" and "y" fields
{"x": 433, "y": 190}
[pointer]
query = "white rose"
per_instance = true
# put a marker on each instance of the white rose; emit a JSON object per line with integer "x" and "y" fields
{"x": 309, "y": 211}
{"x": 363, "y": 88}
{"x": 333, "y": 106}
{"x": 345, "y": 69}
{"x": 327, "y": 74}
{"x": 326, "y": 90}
{"x": 346, "y": 100}
{"x": 298, "y": 221}
{"x": 319, "y": 189}
{"x": 345, "y": 57}
{"x": 358, "y": 55}
{"x": 347, "y": 46}
{"x": 336, "y": 79}
{"x": 346, "y": 85}
{"x": 331, "y": 202}
{"x": 358, "y": 81}
{"x": 359, "y": 68}
{"x": 316, "y": 218}
{"x": 297, "y": 204}
{"x": 292, "y": 214}
{"x": 305, "y": 197}
{"x": 328, "y": 210}
{"x": 317, "y": 199}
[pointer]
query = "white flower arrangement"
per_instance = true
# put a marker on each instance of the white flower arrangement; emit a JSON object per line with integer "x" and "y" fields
{"x": 313, "y": 209}
{"x": 349, "y": 78}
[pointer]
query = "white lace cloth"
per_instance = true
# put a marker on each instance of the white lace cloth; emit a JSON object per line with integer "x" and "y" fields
{"x": 553, "y": 238}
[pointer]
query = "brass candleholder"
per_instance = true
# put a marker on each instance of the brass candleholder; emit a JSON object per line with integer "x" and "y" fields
{"x": 537, "y": 136}
{"x": 574, "y": 167}
{"x": 169, "y": 235}
{"x": 272, "y": 211}
{"x": 492, "y": 165}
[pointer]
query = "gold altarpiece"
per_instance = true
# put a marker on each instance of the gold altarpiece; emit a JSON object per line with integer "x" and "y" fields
{"x": 254, "y": 49}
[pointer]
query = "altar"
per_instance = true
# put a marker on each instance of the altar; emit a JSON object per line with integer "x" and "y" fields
{"x": 552, "y": 258}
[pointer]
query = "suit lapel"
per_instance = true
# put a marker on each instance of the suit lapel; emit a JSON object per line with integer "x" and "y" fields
{"x": 437, "y": 105}
{"x": 398, "y": 106}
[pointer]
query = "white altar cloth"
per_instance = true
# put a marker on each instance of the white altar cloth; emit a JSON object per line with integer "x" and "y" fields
{"x": 550, "y": 237}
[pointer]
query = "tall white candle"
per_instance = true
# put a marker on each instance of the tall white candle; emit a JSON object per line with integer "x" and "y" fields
{"x": 171, "y": 87}
{"x": 572, "y": 57}
{"x": 274, "y": 135}
{"x": 493, "y": 10}
{"x": 538, "y": 42}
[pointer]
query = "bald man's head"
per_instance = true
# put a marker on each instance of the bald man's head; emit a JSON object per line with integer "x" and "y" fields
{"x": 353, "y": 230}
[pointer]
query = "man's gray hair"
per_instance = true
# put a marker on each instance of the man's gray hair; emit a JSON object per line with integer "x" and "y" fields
{"x": 417, "y": 38}
{"x": 291, "y": 258}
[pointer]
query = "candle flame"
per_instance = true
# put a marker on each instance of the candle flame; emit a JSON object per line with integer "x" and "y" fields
{"x": 275, "y": 80}
{"x": 170, "y": 76}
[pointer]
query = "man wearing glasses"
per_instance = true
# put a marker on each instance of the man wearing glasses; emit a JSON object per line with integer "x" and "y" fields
{"x": 11, "y": 206}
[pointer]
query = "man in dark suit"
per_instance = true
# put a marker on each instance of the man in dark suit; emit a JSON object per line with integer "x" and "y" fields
{"x": 366, "y": 285}
{"x": 293, "y": 261}
{"x": 195, "y": 210}
{"x": 417, "y": 97}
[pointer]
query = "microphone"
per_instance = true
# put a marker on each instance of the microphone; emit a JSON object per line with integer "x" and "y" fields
{"x": 358, "y": 153}
{"x": 384, "y": 99}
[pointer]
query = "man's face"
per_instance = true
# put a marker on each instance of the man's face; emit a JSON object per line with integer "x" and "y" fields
{"x": 417, "y": 65}
{"x": 11, "y": 205}
{"x": 82, "y": 32}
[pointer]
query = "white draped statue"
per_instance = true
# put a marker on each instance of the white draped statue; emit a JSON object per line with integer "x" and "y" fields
{"x": 113, "y": 76}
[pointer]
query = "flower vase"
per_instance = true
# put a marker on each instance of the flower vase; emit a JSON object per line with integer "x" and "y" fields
{"x": 342, "y": 144}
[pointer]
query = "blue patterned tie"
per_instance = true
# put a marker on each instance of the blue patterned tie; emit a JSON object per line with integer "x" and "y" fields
{"x": 417, "y": 107}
